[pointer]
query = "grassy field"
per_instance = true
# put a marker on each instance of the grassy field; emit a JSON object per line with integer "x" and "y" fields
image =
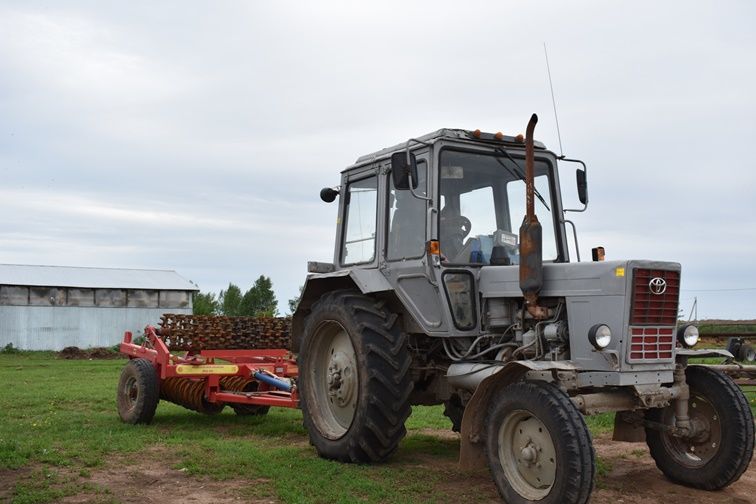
{"x": 58, "y": 426}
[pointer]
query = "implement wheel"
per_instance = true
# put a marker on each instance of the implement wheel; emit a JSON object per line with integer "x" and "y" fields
{"x": 250, "y": 409}
{"x": 354, "y": 378}
{"x": 722, "y": 445}
{"x": 138, "y": 392}
{"x": 538, "y": 446}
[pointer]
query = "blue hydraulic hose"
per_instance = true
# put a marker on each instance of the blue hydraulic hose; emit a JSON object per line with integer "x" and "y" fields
{"x": 273, "y": 381}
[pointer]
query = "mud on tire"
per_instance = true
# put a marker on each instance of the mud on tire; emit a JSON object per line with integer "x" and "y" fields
{"x": 718, "y": 401}
{"x": 138, "y": 392}
{"x": 354, "y": 378}
{"x": 538, "y": 446}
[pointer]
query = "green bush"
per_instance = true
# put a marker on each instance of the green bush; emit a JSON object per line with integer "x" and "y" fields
{"x": 10, "y": 349}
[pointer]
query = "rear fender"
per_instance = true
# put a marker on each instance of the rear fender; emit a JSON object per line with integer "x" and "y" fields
{"x": 364, "y": 280}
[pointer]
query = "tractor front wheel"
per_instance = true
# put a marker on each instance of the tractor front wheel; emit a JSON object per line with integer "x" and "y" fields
{"x": 722, "y": 443}
{"x": 538, "y": 446}
{"x": 354, "y": 380}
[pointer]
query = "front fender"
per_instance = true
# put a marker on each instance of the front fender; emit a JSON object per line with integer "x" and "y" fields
{"x": 471, "y": 453}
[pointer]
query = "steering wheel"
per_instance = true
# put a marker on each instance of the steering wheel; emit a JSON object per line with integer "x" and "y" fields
{"x": 454, "y": 230}
{"x": 464, "y": 226}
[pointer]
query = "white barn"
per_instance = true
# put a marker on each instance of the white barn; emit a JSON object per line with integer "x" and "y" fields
{"x": 53, "y": 307}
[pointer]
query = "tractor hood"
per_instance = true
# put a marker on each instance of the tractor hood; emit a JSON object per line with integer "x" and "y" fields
{"x": 571, "y": 279}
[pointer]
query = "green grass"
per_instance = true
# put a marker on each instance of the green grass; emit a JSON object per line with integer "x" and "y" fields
{"x": 58, "y": 426}
{"x": 705, "y": 328}
{"x": 58, "y": 417}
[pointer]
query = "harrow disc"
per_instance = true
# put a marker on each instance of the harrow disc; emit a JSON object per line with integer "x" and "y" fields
{"x": 190, "y": 392}
{"x": 207, "y": 332}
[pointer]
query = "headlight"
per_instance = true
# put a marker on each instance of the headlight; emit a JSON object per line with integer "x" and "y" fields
{"x": 600, "y": 336}
{"x": 687, "y": 335}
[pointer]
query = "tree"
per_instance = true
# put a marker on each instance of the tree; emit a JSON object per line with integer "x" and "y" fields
{"x": 230, "y": 300}
{"x": 204, "y": 303}
{"x": 259, "y": 300}
{"x": 294, "y": 302}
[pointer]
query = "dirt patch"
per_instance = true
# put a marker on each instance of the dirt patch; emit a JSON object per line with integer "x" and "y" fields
{"x": 629, "y": 476}
{"x": 77, "y": 353}
{"x": 632, "y": 478}
{"x": 8, "y": 480}
{"x": 151, "y": 478}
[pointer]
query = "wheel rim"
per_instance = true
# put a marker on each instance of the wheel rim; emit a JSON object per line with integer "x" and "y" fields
{"x": 527, "y": 455}
{"x": 335, "y": 379}
{"x": 696, "y": 451}
{"x": 130, "y": 392}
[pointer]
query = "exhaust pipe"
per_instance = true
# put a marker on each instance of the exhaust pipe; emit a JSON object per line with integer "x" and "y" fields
{"x": 531, "y": 239}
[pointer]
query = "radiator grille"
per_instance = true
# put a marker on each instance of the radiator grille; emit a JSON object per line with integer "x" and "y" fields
{"x": 654, "y": 309}
{"x": 651, "y": 343}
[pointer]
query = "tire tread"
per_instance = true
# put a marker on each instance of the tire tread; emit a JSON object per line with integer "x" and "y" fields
{"x": 579, "y": 471}
{"x": 381, "y": 425}
{"x": 725, "y": 468}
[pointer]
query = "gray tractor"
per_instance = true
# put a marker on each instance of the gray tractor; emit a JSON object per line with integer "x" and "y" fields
{"x": 435, "y": 297}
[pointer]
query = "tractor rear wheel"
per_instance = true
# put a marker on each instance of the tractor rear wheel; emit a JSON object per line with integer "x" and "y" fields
{"x": 721, "y": 449}
{"x": 354, "y": 380}
{"x": 538, "y": 446}
{"x": 138, "y": 392}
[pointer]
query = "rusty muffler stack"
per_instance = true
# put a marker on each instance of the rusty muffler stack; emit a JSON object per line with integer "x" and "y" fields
{"x": 531, "y": 240}
{"x": 190, "y": 392}
{"x": 208, "y": 332}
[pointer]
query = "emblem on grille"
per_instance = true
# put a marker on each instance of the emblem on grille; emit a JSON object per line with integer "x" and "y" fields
{"x": 657, "y": 286}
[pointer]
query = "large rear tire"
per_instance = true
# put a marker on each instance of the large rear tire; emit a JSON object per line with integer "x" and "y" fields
{"x": 538, "y": 446}
{"x": 354, "y": 379}
{"x": 718, "y": 455}
{"x": 138, "y": 392}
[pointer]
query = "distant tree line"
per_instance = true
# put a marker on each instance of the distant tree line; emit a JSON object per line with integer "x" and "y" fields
{"x": 258, "y": 301}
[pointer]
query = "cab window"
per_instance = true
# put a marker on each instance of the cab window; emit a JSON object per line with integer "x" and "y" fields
{"x": 483, "y": 206}
{"x": 406, "y": 237}
{"x": 360, "y": 221}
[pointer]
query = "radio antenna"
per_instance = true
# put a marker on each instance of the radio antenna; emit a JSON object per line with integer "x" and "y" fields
{"x": 553, "y": 101}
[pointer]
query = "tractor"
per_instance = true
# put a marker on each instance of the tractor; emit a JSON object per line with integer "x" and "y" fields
{"x": 435, "y": 296}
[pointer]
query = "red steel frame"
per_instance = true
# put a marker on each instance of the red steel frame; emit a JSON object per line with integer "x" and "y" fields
{"x": 274, "y": 361}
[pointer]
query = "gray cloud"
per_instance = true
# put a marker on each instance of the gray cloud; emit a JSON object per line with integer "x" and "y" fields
{"x": 196, "y": 136}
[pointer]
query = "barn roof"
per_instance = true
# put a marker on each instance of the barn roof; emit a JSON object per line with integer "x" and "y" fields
{"x": 94, "y": 278}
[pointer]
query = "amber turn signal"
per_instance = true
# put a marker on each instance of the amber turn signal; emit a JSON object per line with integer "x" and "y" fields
{"x": 433, "y": 247}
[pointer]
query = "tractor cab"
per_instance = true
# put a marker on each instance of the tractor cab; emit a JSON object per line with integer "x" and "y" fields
{"x": 435, "y": 210}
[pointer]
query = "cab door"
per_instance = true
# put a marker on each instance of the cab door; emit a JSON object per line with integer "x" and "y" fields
{"x": 404, "y": 261}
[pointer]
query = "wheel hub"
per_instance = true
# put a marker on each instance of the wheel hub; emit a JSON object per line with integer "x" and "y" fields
{"x": 131, "y": 391}
{"x": 336, "y": 380}
{"x": 340, "y": 378}
{"x": 527, "y": 455}
{"x": 700, "y": 447}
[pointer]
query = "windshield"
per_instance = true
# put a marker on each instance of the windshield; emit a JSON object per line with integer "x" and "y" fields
{"x": 483, "y": 206}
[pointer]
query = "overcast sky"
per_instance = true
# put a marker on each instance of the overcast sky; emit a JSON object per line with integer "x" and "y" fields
{"x": 196, "y": 136}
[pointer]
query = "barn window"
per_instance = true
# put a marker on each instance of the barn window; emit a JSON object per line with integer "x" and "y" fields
{"x": 14, "y": 295}
{"x": 110, "y": 297}
{"x": 81, "y": 297}
{"x": 174, "y": 299}
{"x": 143, "y": 298}
{"x": 47, "y": 296}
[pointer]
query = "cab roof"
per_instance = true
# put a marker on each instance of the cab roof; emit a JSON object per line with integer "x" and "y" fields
{"x": 473, "y": 137}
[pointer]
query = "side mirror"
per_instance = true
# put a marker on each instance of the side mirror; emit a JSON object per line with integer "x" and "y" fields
{"x": 401, "y": 171}
{"x": 582, "y": 186}
{"x": 328, "y": 195}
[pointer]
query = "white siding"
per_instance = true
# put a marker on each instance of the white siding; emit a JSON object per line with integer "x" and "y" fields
{"x": 57, "y": 327}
